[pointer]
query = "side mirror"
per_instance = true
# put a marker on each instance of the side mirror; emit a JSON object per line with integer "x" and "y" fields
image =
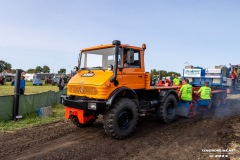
{"x": 110, "y": 67}
{"x": 75, "y": 69}
{"x": 130, "y": 56}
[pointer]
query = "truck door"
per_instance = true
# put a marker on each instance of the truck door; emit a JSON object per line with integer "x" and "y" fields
{"x": 133, "y": 75}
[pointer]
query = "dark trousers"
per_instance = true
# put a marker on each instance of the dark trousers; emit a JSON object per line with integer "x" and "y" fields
{"x": 21, "y": 91}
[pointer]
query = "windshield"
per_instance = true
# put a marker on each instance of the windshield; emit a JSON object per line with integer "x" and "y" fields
{"x": 95, "y": 59}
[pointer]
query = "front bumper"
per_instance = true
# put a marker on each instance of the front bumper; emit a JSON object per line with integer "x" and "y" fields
{"x": 85, "y": 104}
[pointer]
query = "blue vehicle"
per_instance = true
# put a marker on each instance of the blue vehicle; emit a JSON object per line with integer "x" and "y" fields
{"x": 37, "y": 81}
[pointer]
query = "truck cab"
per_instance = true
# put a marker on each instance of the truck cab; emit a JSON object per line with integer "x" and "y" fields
{"x": 111, "y": 80}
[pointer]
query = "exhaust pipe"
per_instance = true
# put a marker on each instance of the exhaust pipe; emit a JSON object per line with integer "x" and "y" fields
{"x": 116, "y": 43}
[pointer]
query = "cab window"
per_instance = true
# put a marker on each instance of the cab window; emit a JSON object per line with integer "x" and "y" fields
{"x": 131, "y": 58}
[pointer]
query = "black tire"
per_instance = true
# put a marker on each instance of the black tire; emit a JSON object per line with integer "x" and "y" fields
{"x": 167, "y": 110}
{"x": 216, "y": 100}
{"x": 223, "y": 99}
{"x": 121, "y": 119}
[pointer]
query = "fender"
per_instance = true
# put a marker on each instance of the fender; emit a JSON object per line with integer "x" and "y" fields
{"x": 164, "y": 94}
{"x": 115, "y": 93}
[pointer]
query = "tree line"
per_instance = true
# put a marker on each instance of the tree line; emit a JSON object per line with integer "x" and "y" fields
{"x": 44, "y": 69}
{"x": 163, "y": 73}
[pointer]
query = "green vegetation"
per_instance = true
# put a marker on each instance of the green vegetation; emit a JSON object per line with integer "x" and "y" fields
{"x": 33, "y": 119}
{"x": 164, "y": 73}
{"x": 29, "y": 88}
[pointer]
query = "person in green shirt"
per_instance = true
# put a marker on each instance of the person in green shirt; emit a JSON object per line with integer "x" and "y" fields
{"x": 205, "y": 91}
{"x": 176, "y": 81}
{"x": 186, "y": 92}
{"x": 205, "y": 96}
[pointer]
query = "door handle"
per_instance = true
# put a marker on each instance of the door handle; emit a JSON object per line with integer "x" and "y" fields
{"x": 140, "y": 76}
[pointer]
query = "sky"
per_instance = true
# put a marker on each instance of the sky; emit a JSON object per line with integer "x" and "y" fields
{"x": 203, "y": 33}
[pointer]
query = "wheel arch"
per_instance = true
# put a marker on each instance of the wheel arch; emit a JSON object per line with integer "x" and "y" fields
{"x": 165, "y": 93}
{"x": 123, "y": 92}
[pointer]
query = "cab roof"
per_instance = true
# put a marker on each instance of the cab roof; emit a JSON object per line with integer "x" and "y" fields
{"x": 109, "y": 46}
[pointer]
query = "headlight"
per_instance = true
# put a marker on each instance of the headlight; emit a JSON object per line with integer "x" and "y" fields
{"x": 92, "y": 106}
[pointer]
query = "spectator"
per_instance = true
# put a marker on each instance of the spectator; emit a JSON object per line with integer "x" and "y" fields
{"x": 61, "y": 82}
{"x": 176, "y": 81}
{"x": 12, "y": 82}
{"x": 233, "y": 77}
{"x": 22, "y": 85}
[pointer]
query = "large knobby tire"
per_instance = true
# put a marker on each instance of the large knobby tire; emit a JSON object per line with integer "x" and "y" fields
{"x": 216, "y": 100}
{"x": 121, "y": 119}
{"x": 223, "y": 99}
{"x": 167, "y": 110}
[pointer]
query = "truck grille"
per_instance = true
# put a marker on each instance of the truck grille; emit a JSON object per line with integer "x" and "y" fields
{"x": 83, "y": 90}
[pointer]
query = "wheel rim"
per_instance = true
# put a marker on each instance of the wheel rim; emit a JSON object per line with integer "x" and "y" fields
{"x": 170, "y": 110}
{"x": 124, "y": 119}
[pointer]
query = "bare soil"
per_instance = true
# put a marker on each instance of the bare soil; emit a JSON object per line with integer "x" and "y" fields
{"x": 214, "y": 135}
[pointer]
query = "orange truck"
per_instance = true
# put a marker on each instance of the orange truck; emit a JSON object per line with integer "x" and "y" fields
{"x": 107, "y": 84}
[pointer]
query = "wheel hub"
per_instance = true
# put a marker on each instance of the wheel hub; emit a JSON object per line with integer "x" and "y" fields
{"x": 124, "y": 119}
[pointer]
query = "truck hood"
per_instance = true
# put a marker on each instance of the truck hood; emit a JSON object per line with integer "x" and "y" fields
{"x": 95, "y": 77}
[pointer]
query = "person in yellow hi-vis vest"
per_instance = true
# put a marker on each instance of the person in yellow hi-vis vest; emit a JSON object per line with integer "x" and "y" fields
{"x": 186, "y": 92}
{"x": 176, "y": 81}
{"x": 205, "y": 96}
{"x": 205, "y": 91}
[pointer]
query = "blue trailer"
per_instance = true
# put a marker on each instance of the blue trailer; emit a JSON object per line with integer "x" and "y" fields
{"x": 220, "y": 84}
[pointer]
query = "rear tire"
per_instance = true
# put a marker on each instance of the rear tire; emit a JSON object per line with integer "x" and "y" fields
{"x": 167, "y": 110}
{"x": 120, "y": 120}
{"x": 223, "y": 99}
{"x": 216, "y": 100}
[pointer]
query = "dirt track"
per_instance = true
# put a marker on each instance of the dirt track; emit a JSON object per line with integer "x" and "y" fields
{"x": 184, "y": 139}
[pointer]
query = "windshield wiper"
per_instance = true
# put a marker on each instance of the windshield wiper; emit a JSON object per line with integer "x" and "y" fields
{"x": 86, "y": 69}
{"x": 99, "y": 68}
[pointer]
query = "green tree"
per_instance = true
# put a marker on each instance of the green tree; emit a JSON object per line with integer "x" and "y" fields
{"x": 5, "y": 66}
{"x": 154, "y": 72}
{"x": 46, "y": 69}
{"x": 173, "y": 73}
{"x": 38, "y": 69}
{"x": 31, "y": 70}
{"x": 163, "y": 73}
{"x": 62, "y": 70}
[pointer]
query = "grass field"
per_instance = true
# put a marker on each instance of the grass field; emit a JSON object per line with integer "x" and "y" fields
{"x": 30, "y": 119}
{"x": 33, "y": 119}
{"x": 29, "y": 89}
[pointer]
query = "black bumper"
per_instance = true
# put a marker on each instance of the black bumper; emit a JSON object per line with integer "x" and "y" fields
{"x": 83, "y": 104}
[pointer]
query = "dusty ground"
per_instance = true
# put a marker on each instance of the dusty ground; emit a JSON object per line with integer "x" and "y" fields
{"x": 184, "y": 139}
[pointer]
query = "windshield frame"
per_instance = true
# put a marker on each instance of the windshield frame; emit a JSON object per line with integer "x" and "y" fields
{"x": 83, "y": 63}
